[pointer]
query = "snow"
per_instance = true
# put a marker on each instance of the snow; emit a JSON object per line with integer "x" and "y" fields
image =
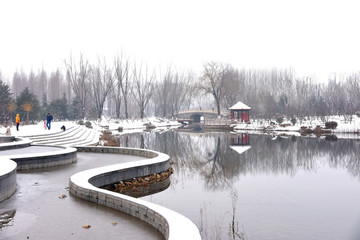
{"x": 7, "y": 165}
{"x": 344, "y": 126}
{"x": 129, "y": 125}
{"x": 239, "y": 106}
{"x": 36, "y": 129}
{"x": 344, "y": 129}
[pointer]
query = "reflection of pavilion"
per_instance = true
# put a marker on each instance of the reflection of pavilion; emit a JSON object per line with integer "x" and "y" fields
{"x": 240, "y": 143}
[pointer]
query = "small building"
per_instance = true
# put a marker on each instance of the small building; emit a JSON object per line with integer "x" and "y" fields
{"x": 240, "y": 112}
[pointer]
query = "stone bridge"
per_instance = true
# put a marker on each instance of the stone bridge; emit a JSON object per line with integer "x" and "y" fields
{"x": 195, "y": 115}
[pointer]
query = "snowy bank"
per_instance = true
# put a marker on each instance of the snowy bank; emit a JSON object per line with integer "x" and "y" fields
{"x": 347, "y": 126}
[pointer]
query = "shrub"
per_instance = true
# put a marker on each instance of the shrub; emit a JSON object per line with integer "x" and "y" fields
{"x": 279, "y": 120}
{"x": 357, "y": 113}
{"x": 293, "y": 121}
{"x": 81, "y": 122}
{"x": 88, "y": 124}
{"x": 331, "y": 125}
{"x": 120, "y": 129}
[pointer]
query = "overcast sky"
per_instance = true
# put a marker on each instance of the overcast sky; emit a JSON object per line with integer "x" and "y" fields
{"x": 312, "y": 37}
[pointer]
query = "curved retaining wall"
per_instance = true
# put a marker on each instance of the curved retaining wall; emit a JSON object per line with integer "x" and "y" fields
{"x": 10, "y": 142}
{"x": 85, "y": 185}
{"x": 65, "y": 155}
{"x": 7, "y": 178}
{"x": 5, "y": 139}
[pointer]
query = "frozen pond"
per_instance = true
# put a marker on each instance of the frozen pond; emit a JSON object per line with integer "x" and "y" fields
{"x": 260, "y": 187}
{"x": 41, "y": 214}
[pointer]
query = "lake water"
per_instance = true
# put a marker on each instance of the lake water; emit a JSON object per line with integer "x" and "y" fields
{"x": 240, "y": 186}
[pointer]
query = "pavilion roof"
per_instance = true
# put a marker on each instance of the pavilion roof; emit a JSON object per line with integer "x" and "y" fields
{"x": 240, "y": 106}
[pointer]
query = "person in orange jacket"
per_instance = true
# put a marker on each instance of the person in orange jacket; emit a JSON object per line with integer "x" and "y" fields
{"x": 17, "y": 122}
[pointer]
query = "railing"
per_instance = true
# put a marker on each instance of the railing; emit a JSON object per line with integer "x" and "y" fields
{"x": 214, "y": 111}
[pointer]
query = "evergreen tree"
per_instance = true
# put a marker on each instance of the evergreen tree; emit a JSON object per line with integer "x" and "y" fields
{"x": 75, "y": 109}
{"x": 59, "y": 108}
{"x": 28, "y": 106}
{"x": 5, "y": 99}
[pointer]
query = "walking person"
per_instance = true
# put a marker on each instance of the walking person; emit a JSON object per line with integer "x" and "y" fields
{"x": 17, "y": 122}
{"x": 49, "y": 118}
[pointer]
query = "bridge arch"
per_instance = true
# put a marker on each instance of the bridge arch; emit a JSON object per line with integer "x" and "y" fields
{"x": 197, "y": 117}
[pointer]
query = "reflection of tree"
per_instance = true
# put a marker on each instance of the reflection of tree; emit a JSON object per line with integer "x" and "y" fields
{"x": 213, "y": 169}
{"x": 210, "y": 156}
{"x": 234, "y": 231}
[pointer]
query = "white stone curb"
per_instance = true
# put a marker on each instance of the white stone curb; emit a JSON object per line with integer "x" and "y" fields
{"x": 171, "y": 224}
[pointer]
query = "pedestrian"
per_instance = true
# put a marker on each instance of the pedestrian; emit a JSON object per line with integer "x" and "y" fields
{"x": 45, "y": 125}
{"x": 17, "y": 122}
{"x": 49, "y": 118}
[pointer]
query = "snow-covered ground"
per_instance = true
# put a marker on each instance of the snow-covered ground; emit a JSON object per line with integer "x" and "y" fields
{"x": 104, "y": 124}
{"x": 345, "y": 128}
{"x": 129, "y": 125}
{"x": 36, "y": 129}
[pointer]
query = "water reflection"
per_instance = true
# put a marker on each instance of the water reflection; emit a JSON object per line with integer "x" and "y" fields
{"x": 240, "y": 186}
{"x": 219, "y": 157}
{"x": 240, "y": 143}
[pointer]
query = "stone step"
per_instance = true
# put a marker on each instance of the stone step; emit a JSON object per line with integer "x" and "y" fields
{"x": 60, "y": 141}
{"x": 66, "y": 135}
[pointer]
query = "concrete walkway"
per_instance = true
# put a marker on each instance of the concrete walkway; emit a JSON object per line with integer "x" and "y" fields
{"x": 171, "y": 224}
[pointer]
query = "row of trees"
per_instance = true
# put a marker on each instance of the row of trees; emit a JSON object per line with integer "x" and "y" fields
{"x": 280, "y": 92}
{"x": 125, "y": 89}
{"x": 29, "y": 108}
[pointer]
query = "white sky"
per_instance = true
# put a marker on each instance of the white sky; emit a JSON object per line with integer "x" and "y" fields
{"x": 312, "y": 37}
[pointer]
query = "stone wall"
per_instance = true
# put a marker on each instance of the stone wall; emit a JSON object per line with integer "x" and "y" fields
{"x": 11, "y": 142}
{"x": 62, "y": 157}
{"x": 85, "y": 185}
{"x": 7, "y": 178}
{"x": 5, "y": 139}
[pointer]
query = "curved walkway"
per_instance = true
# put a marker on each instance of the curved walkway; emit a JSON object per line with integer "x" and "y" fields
{"x": 85, "y": 185}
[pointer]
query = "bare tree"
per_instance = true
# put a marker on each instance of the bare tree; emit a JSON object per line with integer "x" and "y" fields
{"x": 42, "y": 88}
{"x": 164, "y": 91}
{"x": 78, "y": 74}
{"x": 232, "y": 88}
{"x": 101, "y": 79}
{"x": 353, "y": 86}
{"x": 143, "y": 88}
{"x": 183, "y": 91}
{"x": 55, "y": 81}
{"x": 19, "y": 82}
{"x": 122, "y": 87}
{"x": 213, "y": 81}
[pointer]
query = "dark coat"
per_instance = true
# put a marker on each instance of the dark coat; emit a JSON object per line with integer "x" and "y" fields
{"x": 49, "y": 118}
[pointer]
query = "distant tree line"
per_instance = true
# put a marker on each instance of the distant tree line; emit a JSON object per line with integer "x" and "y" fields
{"x": 126, "y": 89}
